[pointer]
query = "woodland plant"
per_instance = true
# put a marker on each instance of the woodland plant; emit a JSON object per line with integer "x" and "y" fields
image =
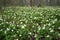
{"x": 25, "y": 23}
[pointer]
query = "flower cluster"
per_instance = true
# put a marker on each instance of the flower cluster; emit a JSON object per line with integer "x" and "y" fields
{"x": 30, "y": 23}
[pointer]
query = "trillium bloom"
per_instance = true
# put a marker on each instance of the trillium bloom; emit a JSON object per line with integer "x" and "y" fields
{"x": 0, "y": 24}
{"x": 33, "y": 26}
{"x": 52, "y": 16}
{"x": 48, "y": 36}
{"x": 13, "y": 22}
{"x": 37, "y": 24}
{"x": 8, "y": 29}
{"x": 49, "y": 24}
{"x": 43, "y": 27}
{"x": 47, "y": 20}
{"x": 5, "y": 32}
{"x": 58, "y": 27}
{"x": 35, "y": 17}
{"x": 35, "y": 35}
{"x": 14, "y": 17}
{"x": 51, "y": 30}
{"x": 22, "y": 27}
{"x": 1, "y": 29}
{"x": 1, "y": 19}
{"x": 17, "y": 25}
{"x": 25, "y": 25}
{"x": 30, "y": 33}
{"x": 16, "y": 39}
{"x": 20, "y": 35}
{"x": 58, "y": 34}
{"x": 7, "y": 22}
{"x": 30, "y": 16}
{"x": 26, "y": 21}
{"x": 17, "y": 31}
{"x": 39, "y": 28}
{"x": 55, "y": 20}
{"x": 52, "y": 26}
{"x": 12, "y": 30}
{"x": 21, "y": 22}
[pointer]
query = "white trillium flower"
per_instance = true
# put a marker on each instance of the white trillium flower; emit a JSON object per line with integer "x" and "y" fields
{"x": 33, "y": 26}
{"x": 1, "y": 29}
{"x": 7, "y": 22}
{"x": 0, "y": 24}
{"x": 14, "y": 17}
{"x": 20, "y": 35}
{"x": 52, "y": 16}
{"x": 43, "y": 27}
{"x": 8, "y": 28}
{"x": 35, "y": 35}
{"x": 58, "y": 34}
{"x": 47, "y": 20}
{"x": 48, "y": 36}
{"x": 23, "y": 27}
{"x": 8, "y": 11}
{"x": 39, "y": 28}
{"x": 55, "y": 20}
{"x": 16, "y": 39}
{"x": 35, "y": 17}
{"x": 30, "y": 33}
{"x": 1, "y": 19}
{"x": 21, "y": 22}
{"x": 51, "y": 30}
{"x": 17, "y": 25}
{"x": 12, "y": 30}
{"x": 13, "y": 22}
{"x": 30, "y": 16}
{"x": 58, "y": 27}
{"x": 26, "y": 21}
{"x": 52, "y": 26}
{"x": 17, "y": 31}
{"x": 37, "y": 24}
{"x": 5, "y": 32}
{"x": 49, "y": 24}
{"x": 31, "y": 21}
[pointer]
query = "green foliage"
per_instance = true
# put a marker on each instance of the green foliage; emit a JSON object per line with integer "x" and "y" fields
{"x": 25, "y": 23}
